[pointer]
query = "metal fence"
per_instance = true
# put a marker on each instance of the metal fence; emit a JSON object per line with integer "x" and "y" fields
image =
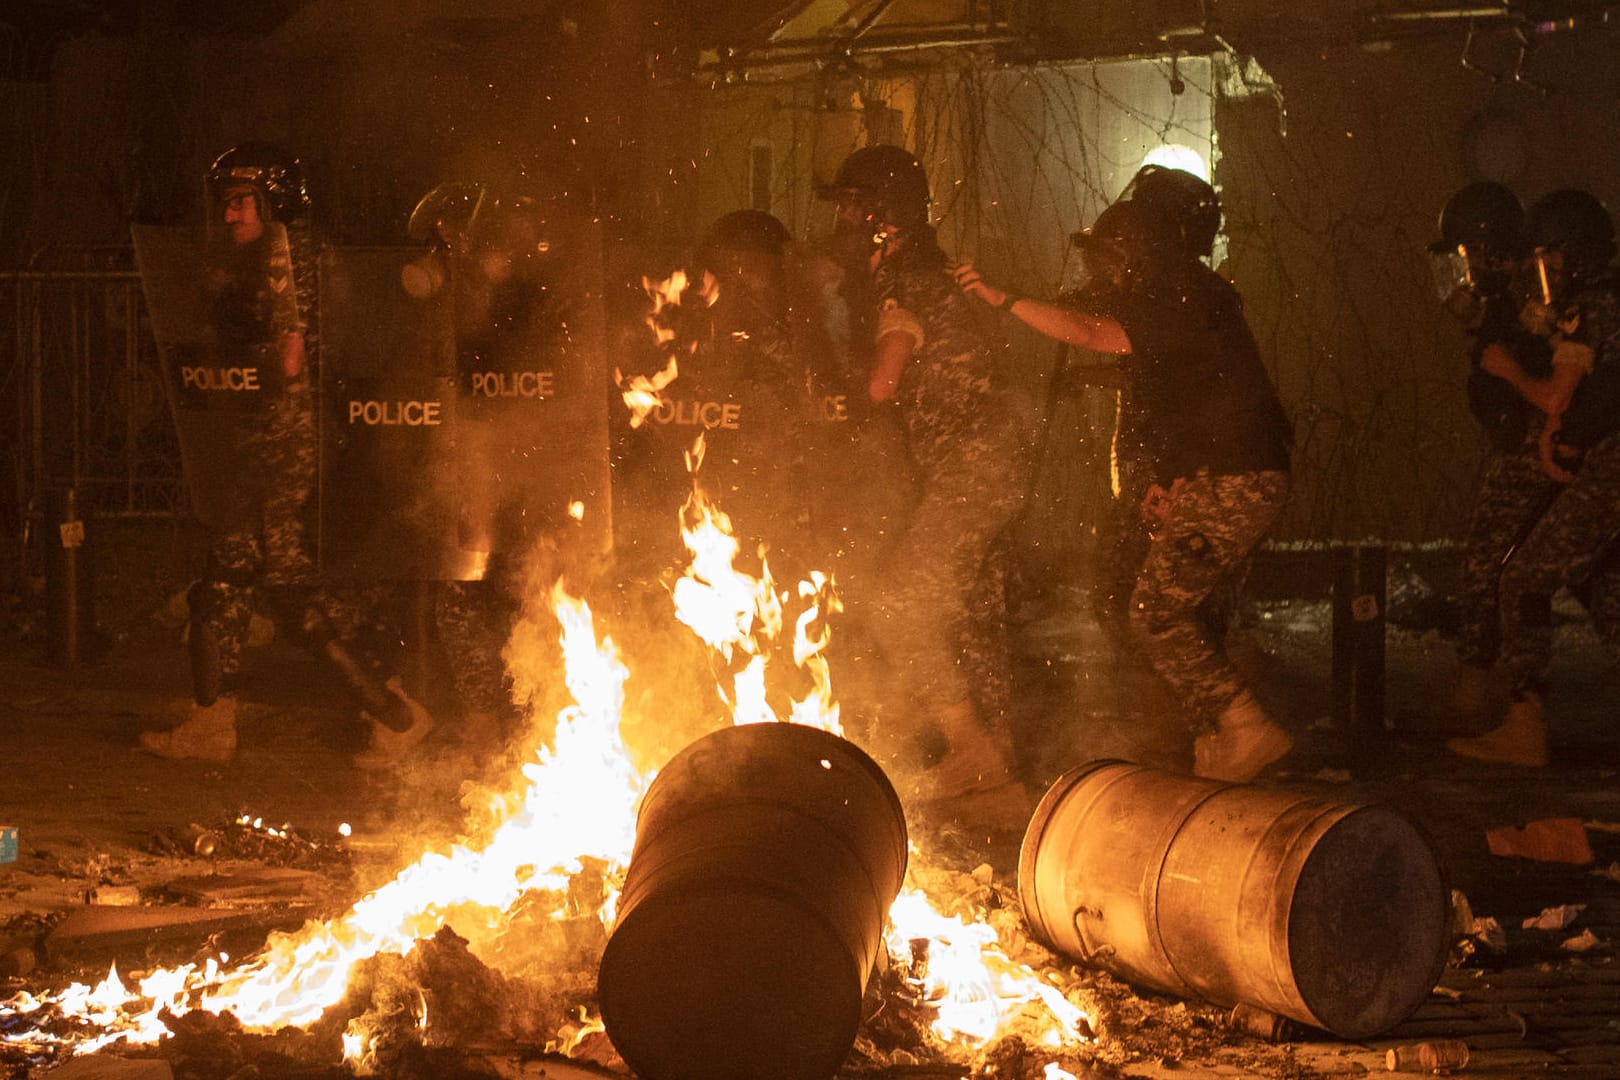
{"x": 82, "y": 390}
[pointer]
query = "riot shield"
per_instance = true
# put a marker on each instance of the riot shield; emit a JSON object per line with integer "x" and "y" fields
{"x": 390, "y": 489}
{"x": 743, "y": 386}
{"x": 532, "y": 386}
{"x": 219, "y": 313}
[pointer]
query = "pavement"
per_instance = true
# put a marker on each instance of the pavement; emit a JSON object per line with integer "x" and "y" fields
{"x": 96, "y": 818}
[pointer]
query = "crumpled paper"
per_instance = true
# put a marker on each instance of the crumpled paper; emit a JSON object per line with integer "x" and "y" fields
{"x": 1554, "y": 918}
{"x": 1489, "y": 933}
{"x": 1583, "y": 942}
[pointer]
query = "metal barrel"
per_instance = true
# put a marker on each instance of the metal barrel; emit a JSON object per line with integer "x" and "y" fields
{"x": 1333, "y": 914}
{"x": 766, "y": 859}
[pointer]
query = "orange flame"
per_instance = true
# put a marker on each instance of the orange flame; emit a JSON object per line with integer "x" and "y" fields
{"x": 975, "y": 989}
{"x": 644, "y": 393}
{"x": 580, "y": 802}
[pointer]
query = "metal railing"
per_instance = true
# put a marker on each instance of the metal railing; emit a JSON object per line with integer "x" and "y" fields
{"x": 81, "y": 384}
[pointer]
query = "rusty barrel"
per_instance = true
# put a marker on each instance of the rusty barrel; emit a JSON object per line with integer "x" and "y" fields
{"x": 1330, "y": 913}
{"x": 766, "y": 859}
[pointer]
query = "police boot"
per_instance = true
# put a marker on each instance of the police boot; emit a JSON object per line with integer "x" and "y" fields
{"x": 974, "y": 785}
{"x": 1243, "y": 744}
{"x": 208, "y": 733}
{"x": 390, "y": 746}
{"x": 1521, "y": 739}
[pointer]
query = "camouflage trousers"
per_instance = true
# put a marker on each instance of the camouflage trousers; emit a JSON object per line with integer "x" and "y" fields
{"x": 1567, "y": 548}
{"x": 1122, "y": 545}
{"x": 1513, "y": 494}
{"x": 271, "y": 547}
{"x": 1203, "y": 543}
{"x": 474, "y": 621}
{"x": 934, "y": 610}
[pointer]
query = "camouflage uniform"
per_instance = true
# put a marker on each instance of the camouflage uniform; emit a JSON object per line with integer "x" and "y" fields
{"x": 1512, "y": 496}
{"x": 474, "y": 620}
{"x": 1209, "y": 418}
{"x": 1513, "y": 491}
{"x": 1202, "y": 547}
{"x": 962, "y": 434}
{"x": 1570, "y": 542}
{"x": 268, "y": 543}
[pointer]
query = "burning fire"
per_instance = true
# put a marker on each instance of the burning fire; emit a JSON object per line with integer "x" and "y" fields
{"x": 961, "y": 969}
{"x": 577, "y": 801}
{"x": 643, "y": 393}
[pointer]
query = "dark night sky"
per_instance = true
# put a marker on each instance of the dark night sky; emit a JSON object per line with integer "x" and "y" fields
{"x": 50, "y": 18}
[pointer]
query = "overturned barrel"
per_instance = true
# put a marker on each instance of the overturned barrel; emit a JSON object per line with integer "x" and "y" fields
{"x": 766, "y": 859}
{"x": 1330, "y": 913}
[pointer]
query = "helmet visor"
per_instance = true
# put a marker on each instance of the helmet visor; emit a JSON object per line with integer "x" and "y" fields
{"x": 1448, "y": 272}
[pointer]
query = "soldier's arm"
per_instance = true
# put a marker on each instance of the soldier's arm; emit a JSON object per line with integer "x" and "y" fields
{"x": 899, "y": 335}
{"x": 1571, "y": 362}
{"x": 893, "y": 350}
{"x": 1100, "y": 333}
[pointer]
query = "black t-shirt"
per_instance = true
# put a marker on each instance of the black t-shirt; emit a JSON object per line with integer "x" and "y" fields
{"x": 1591, "y": 317}
{"x": 1501, "y": 410}
{"x": 1198, "y": 392}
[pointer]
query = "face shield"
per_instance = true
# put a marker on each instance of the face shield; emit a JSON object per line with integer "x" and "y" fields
{"x": 1465, "y": 276}
{"x": 1104, "y": 261}
{"x": 1480, "y": 268}
{"x": 1544, "y": 283}
{"x": 857, "y": 222}
{"x": 748, "y": 280}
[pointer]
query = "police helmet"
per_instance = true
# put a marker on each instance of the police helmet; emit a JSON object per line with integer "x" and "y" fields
{"x": 1135, "y": 227}
{"x": 1576, "y": 224}
{"x": 1483, "y": 213}
{"x": 887, "y": 181}
{"x": 451, "y": 206}
{"x": 273, "y": 172}
{"x": 1185, "y": 200}
{"x": 748, "y": 230}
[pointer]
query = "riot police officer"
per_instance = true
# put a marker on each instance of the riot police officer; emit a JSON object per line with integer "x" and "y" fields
{"x": 932, "y": 364}
{"x": 259, "y": 213}
{"x": 1190, "y": 205}
{"x": 747, "y": 355}
{"x": 495, "y": 258}
{"x": 1476, "y": 261}
{"x": 1575, "y": 303}
{"x": 1218, "y": 440}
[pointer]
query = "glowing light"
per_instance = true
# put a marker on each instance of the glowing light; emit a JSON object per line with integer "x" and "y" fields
{"x": 1177, "y": 156}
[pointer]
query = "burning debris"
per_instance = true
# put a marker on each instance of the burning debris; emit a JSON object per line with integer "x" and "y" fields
{"x": 248, "y": 837}
{"x": 534, "y": 893}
